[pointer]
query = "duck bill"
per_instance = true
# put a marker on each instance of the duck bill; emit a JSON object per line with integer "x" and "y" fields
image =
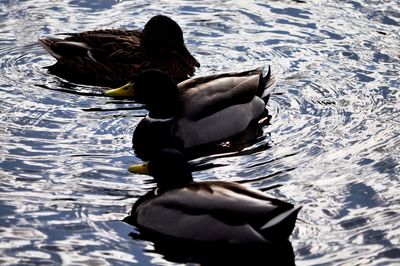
{"x": 142, "y": 169}
{"x": 124, "y": 91}
{"x": 187, "y": 56}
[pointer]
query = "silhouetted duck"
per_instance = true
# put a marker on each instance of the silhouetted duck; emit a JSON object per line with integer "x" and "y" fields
{"x": 113, "y": 57}
{"x": 211, "y": 211}
{"x": 200, "y": 110}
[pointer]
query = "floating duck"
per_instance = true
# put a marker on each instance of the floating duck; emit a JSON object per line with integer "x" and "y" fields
{"x": 113, "y": 57}
{"x": 200, "y": 110}
{"x": 210, "y": 211}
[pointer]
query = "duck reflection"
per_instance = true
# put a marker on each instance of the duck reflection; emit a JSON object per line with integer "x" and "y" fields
{"x": 184, "y": 251}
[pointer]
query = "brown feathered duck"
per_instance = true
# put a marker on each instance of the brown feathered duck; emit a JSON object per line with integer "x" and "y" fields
{"x": 112, "y": 57}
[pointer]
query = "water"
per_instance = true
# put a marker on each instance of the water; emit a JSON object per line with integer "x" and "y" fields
{"x": 333, "y": 141}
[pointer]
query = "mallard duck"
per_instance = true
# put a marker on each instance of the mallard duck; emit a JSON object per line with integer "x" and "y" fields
{"x": 113, "y": 57}
{"x": 200, "y": 110}
{"x": 209, "y": 211}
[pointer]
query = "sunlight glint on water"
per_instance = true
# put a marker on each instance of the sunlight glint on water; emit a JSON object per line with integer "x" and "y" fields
{"x": 334, "y": 132}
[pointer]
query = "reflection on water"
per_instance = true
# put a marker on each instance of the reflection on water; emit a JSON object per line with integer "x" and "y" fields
{"x": 332, "y": 143}
{"x": 174, "y": 250}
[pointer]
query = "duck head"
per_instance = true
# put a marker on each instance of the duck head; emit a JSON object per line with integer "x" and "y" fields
{"x": 155, "y": 89}
{"x": 168, "y": 167}
{"x": 162, "y": 35}
{"x": 159, "y": 92}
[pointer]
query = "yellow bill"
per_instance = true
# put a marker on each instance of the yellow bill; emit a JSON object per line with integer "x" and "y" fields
{"x": 124, "y": 91}
{"x": 142, "y": 169}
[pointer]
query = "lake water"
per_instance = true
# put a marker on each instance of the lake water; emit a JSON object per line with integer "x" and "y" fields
{"x": 333, "y": 143}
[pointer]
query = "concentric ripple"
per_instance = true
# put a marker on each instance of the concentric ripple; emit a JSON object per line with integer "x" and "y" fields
{"x": 332, "y": 144}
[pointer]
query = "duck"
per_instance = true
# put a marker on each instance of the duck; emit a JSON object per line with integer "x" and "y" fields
{"x": 207, "y": 211}
{"x": 112, "y": 57}
{"x": 198, "y": 111}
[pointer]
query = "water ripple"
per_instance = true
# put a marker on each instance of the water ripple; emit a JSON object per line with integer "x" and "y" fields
{"x": 332, "y": 144}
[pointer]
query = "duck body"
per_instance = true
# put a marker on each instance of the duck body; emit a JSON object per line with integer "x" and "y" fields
{"x": 216, "y": 212}
{"x": 112, "y": 57}
{"x": 212, "y": 211}
{"x": 202, "y": 111}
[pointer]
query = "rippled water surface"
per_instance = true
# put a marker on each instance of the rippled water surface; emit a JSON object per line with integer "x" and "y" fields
{"x": 334, "y": 138}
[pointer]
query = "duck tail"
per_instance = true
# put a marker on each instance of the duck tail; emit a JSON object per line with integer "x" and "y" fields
{"x": 267, "y": 84}
{"x": 281, "y": 226}
{"x": 59, "y": 48}
{"x": 48, "y": 43}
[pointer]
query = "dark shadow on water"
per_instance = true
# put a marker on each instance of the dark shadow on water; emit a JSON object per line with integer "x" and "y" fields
{"x": 69, "y": 88}
{"x": 270, "y": 161}
{"x": 100, "y": 109}
{"x": 76, "y": 77}
{"x": 183, "y": 251}
{"x": 225, "y": 152}
{"x": 263, "y": 189}
{"x": 261, "y": 178}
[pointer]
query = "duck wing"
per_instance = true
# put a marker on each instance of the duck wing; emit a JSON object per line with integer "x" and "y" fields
{"x": 102, "y": 56}
{"x": 79, "y": 44}
{"x": 112, "y": 46}
{"x": 214, "y": 211}
{"x": 207, "y": 95}
{"x": 230, "y": 199}
{"x": 98, "y": 38}
{"x": 124, "y": 46}
{"x": 219, "y": 125}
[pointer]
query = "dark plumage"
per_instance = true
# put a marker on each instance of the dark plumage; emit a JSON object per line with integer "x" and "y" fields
{"x": 213, "y": 211}
{"x": 113, "y": 57}
{"x": 198, "y": 111}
